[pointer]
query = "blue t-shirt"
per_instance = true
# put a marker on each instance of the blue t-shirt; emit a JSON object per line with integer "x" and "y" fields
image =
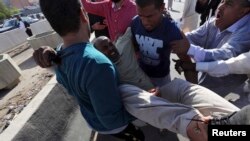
{"x": 154, "y": 46}
{"x": 90, "y": 77}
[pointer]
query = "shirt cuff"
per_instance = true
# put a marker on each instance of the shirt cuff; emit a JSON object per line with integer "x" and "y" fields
{"x": 231, "y": 64}
{"x": 202, "y": 66}
{"x": 197, "y": 53}
{"x": 191, "y": 50}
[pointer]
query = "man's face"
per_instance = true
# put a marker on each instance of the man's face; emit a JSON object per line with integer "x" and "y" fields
{"x": 104, "y": 45}
{"x": 150, "y": 16}
{"x": 228, "y": 12}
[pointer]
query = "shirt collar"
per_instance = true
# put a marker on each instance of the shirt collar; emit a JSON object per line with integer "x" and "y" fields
{"x": 113, "y": 5}
{"x": 123, "y": 4}
{"x": 239, "y": 23}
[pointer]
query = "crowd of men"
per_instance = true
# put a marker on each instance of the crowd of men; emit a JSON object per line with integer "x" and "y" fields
{"x": 119, "y": 80}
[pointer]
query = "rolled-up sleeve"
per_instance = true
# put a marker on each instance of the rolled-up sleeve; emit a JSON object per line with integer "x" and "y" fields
{"x": 97, "y": 8}
{"x": 203, "y": 49}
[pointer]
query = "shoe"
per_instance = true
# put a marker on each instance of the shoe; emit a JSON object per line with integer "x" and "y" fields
{"x": 241, "y": 117}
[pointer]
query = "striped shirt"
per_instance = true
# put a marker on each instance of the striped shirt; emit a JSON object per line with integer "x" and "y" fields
{"x": 209, "y": 44}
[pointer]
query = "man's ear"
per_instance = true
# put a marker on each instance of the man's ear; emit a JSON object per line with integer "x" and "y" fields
{"x": 84, "y": 16}
{"x": 162, "y": 8}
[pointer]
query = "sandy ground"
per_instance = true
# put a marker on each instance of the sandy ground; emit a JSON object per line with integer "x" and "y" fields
{"x": 14, "y": 100}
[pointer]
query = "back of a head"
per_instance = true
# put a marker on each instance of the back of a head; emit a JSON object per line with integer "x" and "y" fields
{"x": 63, "y": 15}
{"x": 18, "y": 17}
{"x": 144, "y": 3}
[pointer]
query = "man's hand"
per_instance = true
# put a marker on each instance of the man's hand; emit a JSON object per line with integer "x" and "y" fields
{"x": 178, "y": 66}
{"x": 155, "y": 91}
{"x": 188, "y": 66}
{"x": 189, "y": 70}
{"x": 181, "y": 66}
{"x": 44, "y": 56}
{"x": 191, "y": 76}
{"x": 197, "y": 128}
{"x": 180, "y": 46}
{"x": 98, "y": 26}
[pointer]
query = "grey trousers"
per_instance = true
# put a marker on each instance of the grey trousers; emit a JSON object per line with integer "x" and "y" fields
{"x": 180, "y": 101}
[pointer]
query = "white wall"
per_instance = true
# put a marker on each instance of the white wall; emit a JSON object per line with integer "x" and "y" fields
{"x": 13, "y": 38}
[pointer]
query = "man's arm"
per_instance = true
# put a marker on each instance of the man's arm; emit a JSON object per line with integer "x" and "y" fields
{"x": 237, "y": 44}
{"x": 105, "y": 98}
{"x": 235, "y": 65}
{"x": 191, "y": 76}
{"x": 197, "y": 37}
{"x": 21, "y": 25}
{"x": 97, "y": 8}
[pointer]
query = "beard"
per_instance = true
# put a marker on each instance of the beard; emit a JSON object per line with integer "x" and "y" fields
{"x": 115, "y": 1}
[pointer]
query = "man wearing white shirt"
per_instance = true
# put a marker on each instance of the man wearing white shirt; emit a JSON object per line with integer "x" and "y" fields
{"x": 235, "y": 65}
{"x": 221, "y": 38}
{"x": 21, "y": 25}
{"x": 189, "y": 17}
{"x": 221, "y": 68}
{"x": 24, "y": 25}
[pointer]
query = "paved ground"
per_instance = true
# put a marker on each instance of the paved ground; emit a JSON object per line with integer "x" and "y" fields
{"x": 14, "y": 100}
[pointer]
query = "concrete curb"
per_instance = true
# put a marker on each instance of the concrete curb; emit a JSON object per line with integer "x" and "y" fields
{"x": 51, "y": 115}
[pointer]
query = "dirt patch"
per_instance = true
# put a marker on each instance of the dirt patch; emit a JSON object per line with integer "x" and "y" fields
{"x": 15, "y": 104}
{"x": 18, "y": 50}
{"x": 33, "y": 79}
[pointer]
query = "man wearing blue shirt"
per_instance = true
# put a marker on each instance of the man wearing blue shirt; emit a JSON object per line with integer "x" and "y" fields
{"x": 152, "y": 32}
{"x": 84, "y": 71}
{"x": 223, "y": 37}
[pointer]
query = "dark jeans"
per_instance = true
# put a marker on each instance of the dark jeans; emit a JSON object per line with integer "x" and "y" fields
{"x": 29, "y": 32}
{"x": 131, "y": 133}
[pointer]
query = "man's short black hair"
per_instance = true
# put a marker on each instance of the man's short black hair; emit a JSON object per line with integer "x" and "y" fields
{"x": 245, "y": 3}
{"x": 63, "y": 15}
{"x": 144, "y": 3}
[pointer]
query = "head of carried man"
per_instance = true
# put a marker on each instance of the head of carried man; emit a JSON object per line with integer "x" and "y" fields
{"x": 230, "y": 11}
{"x": 150, "y": 12}
{"x": 104, "y": 45}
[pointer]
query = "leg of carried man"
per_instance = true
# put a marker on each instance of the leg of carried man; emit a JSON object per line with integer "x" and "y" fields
{"x": 201, "y": 98}
{"x": 175, "y": 109}
{"x": 157, "y": 111}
